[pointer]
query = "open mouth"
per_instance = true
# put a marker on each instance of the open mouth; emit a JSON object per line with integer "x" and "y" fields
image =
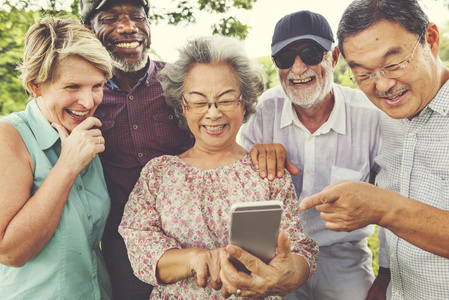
{"x": 77, "y": 114}
{"x": 395, "y": 97}
{"x": 302, "y": 81}
{"x": 128, "y": 45}
{"x": 214, "y": 128}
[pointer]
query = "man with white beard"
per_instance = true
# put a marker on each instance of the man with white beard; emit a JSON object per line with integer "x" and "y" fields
{"x": 331, "y": 133}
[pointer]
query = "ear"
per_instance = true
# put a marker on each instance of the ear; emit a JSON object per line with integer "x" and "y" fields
{"x": 335, "y": 56}
{"x": 35, "y": 89}
{"x": 433, "y": 38}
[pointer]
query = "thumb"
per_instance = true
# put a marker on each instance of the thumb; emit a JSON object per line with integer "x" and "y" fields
{"x": 62, "y": 131}
{"x": 283, "y": 245}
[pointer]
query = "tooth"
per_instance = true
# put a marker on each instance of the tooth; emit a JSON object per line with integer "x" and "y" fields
{"x": 128, "y": 45}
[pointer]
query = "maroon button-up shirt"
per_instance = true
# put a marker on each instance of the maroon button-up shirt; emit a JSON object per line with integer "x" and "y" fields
{"x": 137, "y": 126}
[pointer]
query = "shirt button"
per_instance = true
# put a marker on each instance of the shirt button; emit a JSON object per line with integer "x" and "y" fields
{"x": 80, "y": 188}
{"x": 140, "y": 155}
{"x": 309, "y": 139}
{"x": 308, "y": 171}
{"x": 411, "y": 134}
{"x": 135, "y": 126}
{"x": 406, "y": 175}
{"x": 170, "y": 117}
{"x": 131, "y": 97}
{"x": 94, "y": 276}
{"x": 89, "y": 217}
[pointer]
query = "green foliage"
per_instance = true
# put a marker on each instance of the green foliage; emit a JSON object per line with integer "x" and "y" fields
{"x": 373, "y": 244}
{"x": 185, "y": 12}
{"x": 270, "y": 70}
{"x": 16, "y": 16}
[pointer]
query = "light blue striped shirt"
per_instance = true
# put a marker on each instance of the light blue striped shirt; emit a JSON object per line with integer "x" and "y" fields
{"x": 414, "y": 162}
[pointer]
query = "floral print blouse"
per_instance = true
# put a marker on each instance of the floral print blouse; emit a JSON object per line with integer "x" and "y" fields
{"x": 176, "y": 206}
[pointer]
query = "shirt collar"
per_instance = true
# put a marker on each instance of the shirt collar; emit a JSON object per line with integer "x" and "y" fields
{"x": 46, "y": 136}
{"x": 336, "y": 120}
{"x": 147, "y": 74}
{"x": 440, "y": 103}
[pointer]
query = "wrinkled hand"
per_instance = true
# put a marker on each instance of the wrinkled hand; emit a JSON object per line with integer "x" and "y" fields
{"x": 280, "y": 277}
{"x": 207, "y": 263}
{"x": 80, "y": 146}
{"x": 271, "y": 159}
{"x": 347, "y": 205}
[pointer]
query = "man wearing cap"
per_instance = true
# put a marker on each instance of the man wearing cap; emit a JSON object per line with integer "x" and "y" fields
{"x": 331, "y": 134}
{"x": 137, "y": 124}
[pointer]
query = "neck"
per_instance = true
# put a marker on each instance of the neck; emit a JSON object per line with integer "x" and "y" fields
{"x": 207, "y": 159}
{"x": 127, "y": 80}
{"x": 312, "y": 118}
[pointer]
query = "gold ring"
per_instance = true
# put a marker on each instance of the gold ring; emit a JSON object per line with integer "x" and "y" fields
{"x": 238, "y": 293}
{"x": 99, "y": 140}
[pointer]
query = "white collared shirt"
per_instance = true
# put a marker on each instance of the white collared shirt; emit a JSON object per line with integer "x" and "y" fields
{"x": 343, "y": 148}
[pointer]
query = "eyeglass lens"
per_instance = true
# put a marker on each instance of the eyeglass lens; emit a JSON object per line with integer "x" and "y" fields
{"x": 311, "y": 56}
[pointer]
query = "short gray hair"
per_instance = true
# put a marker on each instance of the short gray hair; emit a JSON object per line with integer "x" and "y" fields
{"x": 212, "y": 49}
{"x": 361, "y": 14}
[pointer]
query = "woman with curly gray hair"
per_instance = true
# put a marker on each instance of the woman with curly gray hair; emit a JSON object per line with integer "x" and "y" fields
{"x": 175, "y": 224}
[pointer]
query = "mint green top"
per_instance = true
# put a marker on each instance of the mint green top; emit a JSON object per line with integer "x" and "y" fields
{"x": 70, "y": 266}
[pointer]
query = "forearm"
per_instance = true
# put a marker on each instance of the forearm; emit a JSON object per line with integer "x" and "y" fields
{"x": 303, "y": 270}
{"x": 420, "y": 224}
{"x": 35, "y": 223}
{"x": 174, "y": 265}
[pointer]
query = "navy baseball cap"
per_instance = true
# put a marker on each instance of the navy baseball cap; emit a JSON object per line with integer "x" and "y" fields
{"x": 301, "y": 25}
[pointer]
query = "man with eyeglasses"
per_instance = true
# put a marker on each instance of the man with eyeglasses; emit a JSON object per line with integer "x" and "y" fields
{"x": 331, "y": 134}
{"x": 392, "y": 49}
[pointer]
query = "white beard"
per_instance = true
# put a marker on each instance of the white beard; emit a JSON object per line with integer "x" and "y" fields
{"x": 308, "y": 98}
{"x": 128, "y": 67}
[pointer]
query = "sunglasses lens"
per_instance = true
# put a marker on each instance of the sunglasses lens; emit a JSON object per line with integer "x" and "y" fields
{"x": 311, "y": 55}
{"x": 285, "y": 59}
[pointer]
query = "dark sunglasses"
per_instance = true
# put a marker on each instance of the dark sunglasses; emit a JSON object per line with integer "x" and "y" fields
{"x": 311, "y": 56}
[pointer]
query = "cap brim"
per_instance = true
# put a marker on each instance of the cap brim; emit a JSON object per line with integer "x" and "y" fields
{"x": 325, "y": 43}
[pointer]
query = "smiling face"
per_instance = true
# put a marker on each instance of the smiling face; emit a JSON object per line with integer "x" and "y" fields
{"x": 214, "y": 130}
{"x": 124, "y": 30}
{"x": 386, "y": 43}
{"x": 73, "y": 95}
{"x": 305, "y": 85}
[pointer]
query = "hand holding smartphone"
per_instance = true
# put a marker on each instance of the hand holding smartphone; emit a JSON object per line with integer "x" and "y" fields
{"x": 254, "y": 226}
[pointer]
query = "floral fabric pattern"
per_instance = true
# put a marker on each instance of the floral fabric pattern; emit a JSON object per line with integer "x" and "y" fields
{"x": 176, "y": 206}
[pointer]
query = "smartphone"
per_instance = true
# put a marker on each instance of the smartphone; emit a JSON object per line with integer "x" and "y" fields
{"x": 254, "y": 226}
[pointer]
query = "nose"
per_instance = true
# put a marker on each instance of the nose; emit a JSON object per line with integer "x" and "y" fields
{"x": 87, "y": 100}
{"x": 126, "y": 25}
{"x": 298, "y": 66}
{"x": 383, "y": 84}
{"x": 213, "y": 112}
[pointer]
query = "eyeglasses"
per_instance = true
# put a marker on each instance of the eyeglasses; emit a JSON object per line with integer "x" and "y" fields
{"x": 200, "y": 107}
{"x": 395, "y": 70}
{"x": 311, "y": 56}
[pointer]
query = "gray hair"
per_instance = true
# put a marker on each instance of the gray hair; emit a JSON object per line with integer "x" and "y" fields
{"x": 50, "y": 40}
{"x": 361, "y": 14}
{"x": 209, "y": 50}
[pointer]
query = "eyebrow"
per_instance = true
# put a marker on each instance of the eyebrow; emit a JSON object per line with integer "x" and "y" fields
{"x": 391, "y": 51}
{"x": 218, "y": 96}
